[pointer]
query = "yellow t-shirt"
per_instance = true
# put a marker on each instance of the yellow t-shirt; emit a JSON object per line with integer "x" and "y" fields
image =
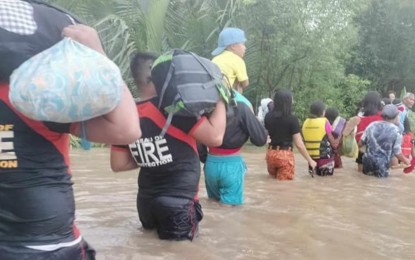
{"x": 232, "y": 66}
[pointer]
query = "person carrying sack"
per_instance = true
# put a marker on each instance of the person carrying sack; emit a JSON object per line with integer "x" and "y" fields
{"x": 37, "y": 212}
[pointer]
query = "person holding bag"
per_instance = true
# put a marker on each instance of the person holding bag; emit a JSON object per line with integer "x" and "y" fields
{"x": 37, "y": 212}
{"x": 337, "y": 123}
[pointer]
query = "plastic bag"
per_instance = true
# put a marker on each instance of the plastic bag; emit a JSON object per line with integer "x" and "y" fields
{"x": 338, "y": 126}
{"x": 68, "y": 82}
{"x": 349, "y": 146}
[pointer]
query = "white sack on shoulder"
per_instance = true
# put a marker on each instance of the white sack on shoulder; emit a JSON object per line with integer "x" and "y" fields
{"x": 68, "y": 82}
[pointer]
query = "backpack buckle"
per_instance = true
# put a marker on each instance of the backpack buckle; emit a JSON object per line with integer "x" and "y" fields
{"x": 233, "y": 102}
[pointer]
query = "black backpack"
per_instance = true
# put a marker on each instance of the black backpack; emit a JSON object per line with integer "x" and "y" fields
{"x": 187, "y": 85}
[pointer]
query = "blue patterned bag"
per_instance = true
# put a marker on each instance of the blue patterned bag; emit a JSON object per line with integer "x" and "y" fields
{"x": 68, "y": 82}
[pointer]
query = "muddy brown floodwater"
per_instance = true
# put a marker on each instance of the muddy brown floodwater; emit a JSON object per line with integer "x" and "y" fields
{"x": 346, "y": 216}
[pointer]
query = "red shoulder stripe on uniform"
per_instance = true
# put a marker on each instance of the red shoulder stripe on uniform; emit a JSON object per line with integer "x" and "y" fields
{"x": 148, "y": 110}
{"x": 59, "y": 140}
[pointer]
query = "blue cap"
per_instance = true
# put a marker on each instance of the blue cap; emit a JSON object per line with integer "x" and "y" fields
{"x": 227, "y": 37}
{"x": 390, "y": 111}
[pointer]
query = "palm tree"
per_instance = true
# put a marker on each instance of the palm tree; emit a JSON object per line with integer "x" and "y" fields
{"x": 153, "y": 25}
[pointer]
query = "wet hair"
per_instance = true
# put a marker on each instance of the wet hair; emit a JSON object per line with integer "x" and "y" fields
{"x": 371, "y": 103}
{"x": 332, "y": 113}
{"x": 140, "y": 70}
{"x": 317, "y": 108}
{"x": 283, "y": 101}
{"x": 386, "y": 101}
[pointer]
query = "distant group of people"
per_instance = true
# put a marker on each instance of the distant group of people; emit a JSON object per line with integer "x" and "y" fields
{"x": 36, "y": 197}
{"x": 382, "y": 133}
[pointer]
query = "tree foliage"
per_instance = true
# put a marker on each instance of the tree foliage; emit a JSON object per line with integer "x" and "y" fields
{"x": 385, "y": 53}
{"x": 333, "y": 50}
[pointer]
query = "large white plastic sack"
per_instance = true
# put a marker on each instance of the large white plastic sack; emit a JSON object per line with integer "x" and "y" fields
{"x": 68, "y": 82}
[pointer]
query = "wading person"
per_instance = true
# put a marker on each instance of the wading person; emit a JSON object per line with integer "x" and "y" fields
{"x": 407, "y": 103}
{"x": 370, "y": 112}
{"x": 405, "y": 106}
{"x": 225, "y": 167}
{"x": 383, "y": 141}
{"x": 37, "y": 211}
{"x": 169, "y": 165}
{"x": 337, "y": 123}
{"x": 319, "y": 140}
{"x": 284, "y": 130}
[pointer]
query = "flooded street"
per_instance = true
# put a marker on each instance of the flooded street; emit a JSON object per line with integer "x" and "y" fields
{"x": 346, "y": 216}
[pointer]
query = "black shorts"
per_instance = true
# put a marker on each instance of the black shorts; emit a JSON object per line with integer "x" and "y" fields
{"x": 174, "y": 218}
{"x": 375, "y": 166}
{"x": 80, "y": 251}
{"x": 359, "y": 159}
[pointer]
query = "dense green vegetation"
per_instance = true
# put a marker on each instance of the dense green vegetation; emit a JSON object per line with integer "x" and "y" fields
{"x": 333, "y": 50}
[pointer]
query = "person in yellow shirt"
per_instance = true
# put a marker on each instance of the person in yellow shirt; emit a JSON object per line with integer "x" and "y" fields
{"x": 229, "y": 57}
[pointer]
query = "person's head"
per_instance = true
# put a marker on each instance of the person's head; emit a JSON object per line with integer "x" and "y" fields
{"x": 391, "y": 95}
{"x": 331, "y": 114}
{"x": 231, "y": 39}
{"x": 408, "y": 99}
{"x": 140, "y": 67}
{"x": 283, "y": 101}
{"x": 371, "y": 103}
{"x": 390, "y": 113}
{"x": 317, "y": 108}
{"x": 386, "y": 101}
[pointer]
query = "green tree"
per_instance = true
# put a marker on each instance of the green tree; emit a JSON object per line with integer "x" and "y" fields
{"x": 299, "y": 45}
{"x": 385, "y": 54}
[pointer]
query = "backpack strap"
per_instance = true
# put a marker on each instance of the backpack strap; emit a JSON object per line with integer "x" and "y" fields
{"x": 167, "y": 124}
{"x": 201, "y": 63}
{"x": 170, "y": 116}
{"x": 214, "y": 80}
{"x": 166, "y": 83}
